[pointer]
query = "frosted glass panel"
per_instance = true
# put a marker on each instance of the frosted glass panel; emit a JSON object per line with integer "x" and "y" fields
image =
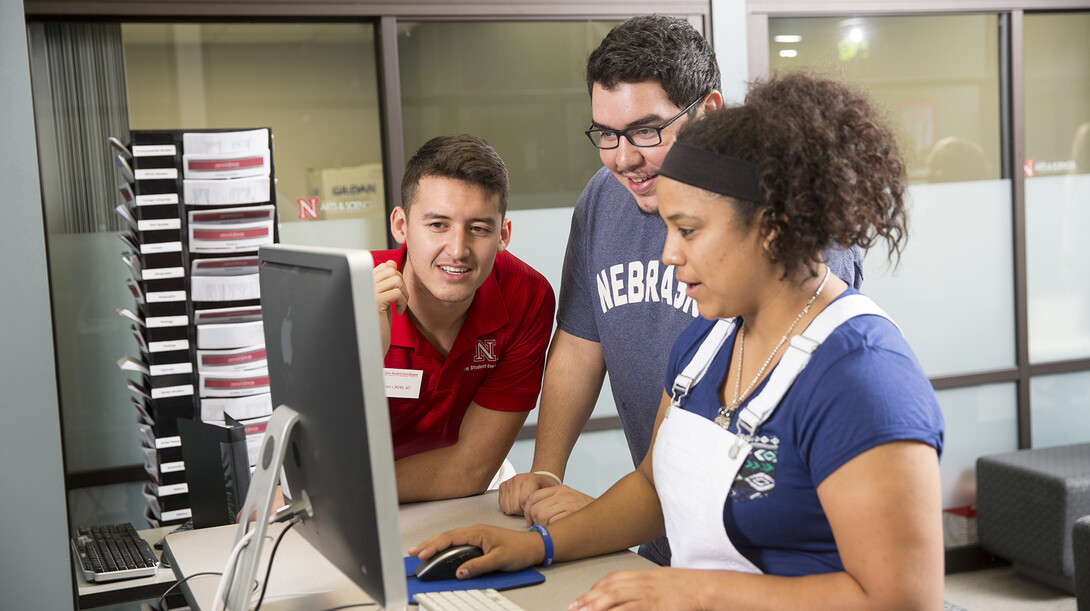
{"x": 1060, "y": 409}
{"x": 539, "y": 238}
{"x": 980, "y": 420}
{"x": 597, "y": 462}
{"x": 366, "y": 234}
{"x": 1058, "y": 266}
{"x": 953, "y": 294}
{"x": 1057, "y": 168}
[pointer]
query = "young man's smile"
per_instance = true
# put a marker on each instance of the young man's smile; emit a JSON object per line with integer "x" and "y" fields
{"x": 453, "y": 231}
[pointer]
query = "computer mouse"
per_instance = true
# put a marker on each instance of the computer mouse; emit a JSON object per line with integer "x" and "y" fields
{"x": 444, "y": 564}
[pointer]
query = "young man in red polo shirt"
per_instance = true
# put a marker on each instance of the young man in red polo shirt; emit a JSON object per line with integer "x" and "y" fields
{"x": 465, "y": 323}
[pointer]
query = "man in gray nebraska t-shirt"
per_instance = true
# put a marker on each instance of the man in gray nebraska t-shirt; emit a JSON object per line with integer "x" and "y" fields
{"x": 620, "y": 308}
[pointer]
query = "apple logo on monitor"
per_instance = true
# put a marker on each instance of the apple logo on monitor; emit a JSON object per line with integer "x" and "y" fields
{"x": 285, "y": 337}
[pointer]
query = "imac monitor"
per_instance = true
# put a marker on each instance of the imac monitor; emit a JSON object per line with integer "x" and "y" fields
{"x": 325, "y": 364}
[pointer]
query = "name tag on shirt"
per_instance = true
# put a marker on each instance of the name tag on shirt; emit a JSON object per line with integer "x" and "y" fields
{"x": 403, "y": 383}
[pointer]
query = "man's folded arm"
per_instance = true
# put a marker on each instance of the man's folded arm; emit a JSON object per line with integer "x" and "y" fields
{"x": 465, "y": 468}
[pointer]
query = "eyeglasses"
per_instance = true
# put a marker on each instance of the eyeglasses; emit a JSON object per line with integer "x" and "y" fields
{"x": 641, "y": 135}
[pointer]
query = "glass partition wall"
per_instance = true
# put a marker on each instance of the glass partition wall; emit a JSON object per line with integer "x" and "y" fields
{"x": 315, "y": 85}
{"x": 347, "y": 98}
{"x": 1057, "y": 177}
{"x": 991, "y": 289}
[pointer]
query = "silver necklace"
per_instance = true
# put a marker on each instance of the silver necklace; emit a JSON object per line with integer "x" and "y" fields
{"x": 727, "y": 411}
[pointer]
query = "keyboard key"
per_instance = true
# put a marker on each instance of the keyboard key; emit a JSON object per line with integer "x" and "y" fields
{"x": 145, "y": 550}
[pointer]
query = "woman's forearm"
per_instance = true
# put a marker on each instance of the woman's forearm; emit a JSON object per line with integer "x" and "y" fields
{"x": 628, "y": 514}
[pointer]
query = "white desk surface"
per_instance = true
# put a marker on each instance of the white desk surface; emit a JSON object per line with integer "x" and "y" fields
{"x": 299, "y": 570}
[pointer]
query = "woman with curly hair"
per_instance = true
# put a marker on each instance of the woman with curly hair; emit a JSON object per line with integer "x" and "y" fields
{"x": 795, "y": 458}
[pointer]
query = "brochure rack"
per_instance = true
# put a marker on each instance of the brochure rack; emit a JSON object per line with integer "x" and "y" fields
{"x": 197, "y": 205}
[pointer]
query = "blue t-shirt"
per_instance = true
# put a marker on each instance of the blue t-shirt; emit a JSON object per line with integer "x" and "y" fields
{"x": 616, "y": 291}
{"x": 862, "y": 387}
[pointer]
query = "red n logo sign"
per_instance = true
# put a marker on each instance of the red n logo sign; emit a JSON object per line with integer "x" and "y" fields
{"x": 308, "y": 208}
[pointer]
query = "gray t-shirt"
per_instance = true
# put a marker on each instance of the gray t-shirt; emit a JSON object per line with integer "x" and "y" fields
{"x": 616, "y": 291}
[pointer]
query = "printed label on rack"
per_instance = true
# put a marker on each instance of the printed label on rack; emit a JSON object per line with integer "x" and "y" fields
{"x": 180, "y": 514}
{"x": 245, "y": 358}
{"x": 224, "y": 142}
{"x": 181, "y": 390}
{"x": 174, "y": 368}
{"x": 168, "y": 442}
{"x": 165, "y": 296}
{"x": 153, "y": 150}
{"x": 156, "y": 174}
{"x": 226, "y": 165}
{"x": 231, "y": 266}
{"x": 217, "y": 191}
{"x": 228, "y": 315}
{"x": 156, "y": 322}
{"x": 181, "y": 488}
{"x": 157, "y": 224}
{"x": 153, "y": 248}
{"x": 162, "y": 273}
{"x": 168, "y": 346}
{"x": 157, "y": 199}
{"x": 231, "y": 383}
{"x": 234, "y": 383}
{"x": 231, "y": 234}
{"x": 172, "y": 467}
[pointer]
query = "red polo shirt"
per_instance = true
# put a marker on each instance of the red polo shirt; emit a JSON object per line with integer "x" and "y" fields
{"x": 497, "y": 360}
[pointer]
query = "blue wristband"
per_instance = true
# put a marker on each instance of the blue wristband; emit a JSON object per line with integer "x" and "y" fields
{"x": 548, "y": 543}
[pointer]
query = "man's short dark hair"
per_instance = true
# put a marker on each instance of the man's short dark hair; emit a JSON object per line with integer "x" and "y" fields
{"x": 459, "y": 156}
{"x": 665, "y": 49}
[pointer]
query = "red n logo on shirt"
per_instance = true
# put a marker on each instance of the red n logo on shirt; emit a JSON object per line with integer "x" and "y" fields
{"x": 486, "y": 351}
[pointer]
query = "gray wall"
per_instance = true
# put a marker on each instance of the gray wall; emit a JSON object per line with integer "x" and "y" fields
{"x": 34, "y": 569}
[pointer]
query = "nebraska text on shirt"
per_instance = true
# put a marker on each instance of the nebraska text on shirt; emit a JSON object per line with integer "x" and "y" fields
{"x": 637, "y": 282}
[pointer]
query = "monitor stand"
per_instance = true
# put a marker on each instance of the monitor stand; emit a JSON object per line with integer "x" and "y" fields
{"x": 274, "y": 448}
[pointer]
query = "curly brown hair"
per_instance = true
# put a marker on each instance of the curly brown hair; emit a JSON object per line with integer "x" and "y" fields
{"x": 830, "y": 170}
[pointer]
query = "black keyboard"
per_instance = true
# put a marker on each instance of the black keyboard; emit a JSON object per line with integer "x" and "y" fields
{"x": 108, "y": 553}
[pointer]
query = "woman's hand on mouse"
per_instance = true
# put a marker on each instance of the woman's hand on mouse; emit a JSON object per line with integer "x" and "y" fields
{"x": 504, "y": 549}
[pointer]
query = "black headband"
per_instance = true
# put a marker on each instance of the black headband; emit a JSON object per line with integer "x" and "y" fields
{"x": 712, "y": 172}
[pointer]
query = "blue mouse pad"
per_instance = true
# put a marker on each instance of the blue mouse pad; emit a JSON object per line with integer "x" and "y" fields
{"x": 497, "y": 581}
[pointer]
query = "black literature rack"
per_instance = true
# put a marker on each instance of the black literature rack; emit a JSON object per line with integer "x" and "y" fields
{"x": 197, "y": 205}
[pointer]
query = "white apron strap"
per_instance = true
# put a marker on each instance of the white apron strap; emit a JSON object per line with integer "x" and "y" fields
{"x": 698, "y": 366}
{"x": 798, "y": 355}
